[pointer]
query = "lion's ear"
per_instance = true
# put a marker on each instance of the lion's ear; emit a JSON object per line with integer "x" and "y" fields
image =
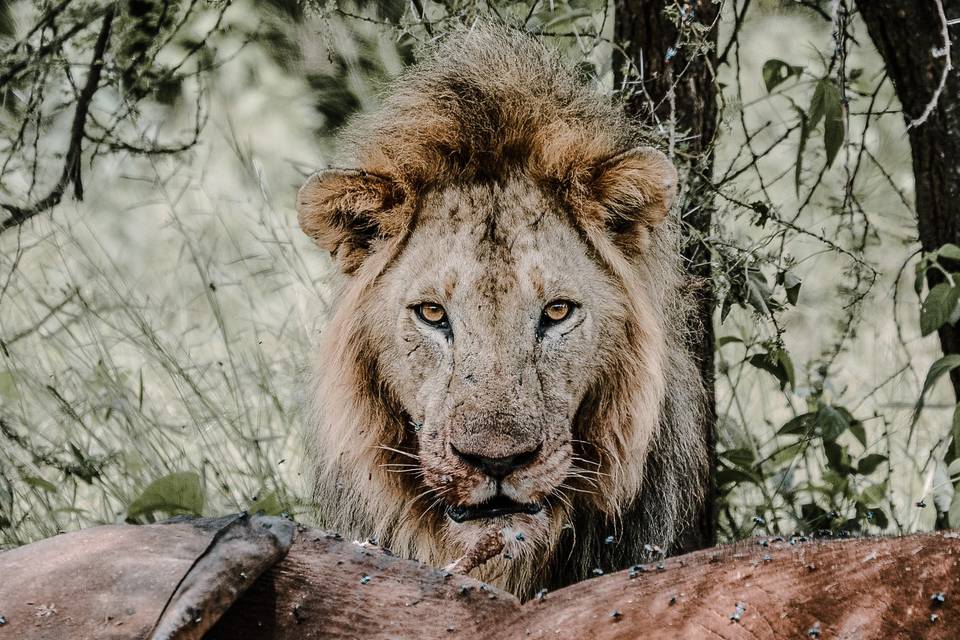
{"x": 346, "y": 211}
{"x": 636, "y": 189}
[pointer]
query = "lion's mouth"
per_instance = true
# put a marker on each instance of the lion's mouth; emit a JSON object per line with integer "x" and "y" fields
{"x": 496, "y": 506}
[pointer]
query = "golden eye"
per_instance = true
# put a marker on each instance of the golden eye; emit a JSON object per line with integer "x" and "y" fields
{"x": 557, "y": 310}
{"x": 431, "y": 313}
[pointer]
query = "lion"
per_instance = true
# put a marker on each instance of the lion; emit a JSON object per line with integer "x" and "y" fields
{"x": 509, "y": 347}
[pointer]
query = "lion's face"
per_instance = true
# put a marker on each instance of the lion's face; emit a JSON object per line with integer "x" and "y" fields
{"x": 505, "y": 349}
{"x": 494, "y": 322}
{"x": 474, "y": 372}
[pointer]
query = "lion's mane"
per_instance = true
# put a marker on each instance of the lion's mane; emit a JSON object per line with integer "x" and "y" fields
{"x": 487, "y": 102}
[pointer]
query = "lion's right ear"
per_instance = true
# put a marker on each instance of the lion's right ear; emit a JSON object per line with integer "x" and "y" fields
{"x": 636, "y": 188}
{"x": 345, "y": 212}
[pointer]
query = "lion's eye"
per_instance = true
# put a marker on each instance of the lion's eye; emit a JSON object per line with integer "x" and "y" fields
{"x": 557, "y": 311}
{"x": 432, "y": 314}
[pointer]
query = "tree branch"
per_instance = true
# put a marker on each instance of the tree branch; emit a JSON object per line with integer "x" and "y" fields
{"x": 71, "y": 165}
{"x": 15, "y": 68}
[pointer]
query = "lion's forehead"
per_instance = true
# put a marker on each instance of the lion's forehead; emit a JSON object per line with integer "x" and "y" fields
{"x": 501, "y": 241}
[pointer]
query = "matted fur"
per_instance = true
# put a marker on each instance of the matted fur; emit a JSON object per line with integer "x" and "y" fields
{"x": 493, "y": 107}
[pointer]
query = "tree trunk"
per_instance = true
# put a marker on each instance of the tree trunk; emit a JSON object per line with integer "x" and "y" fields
{"x": 680, "y": 92}
{"x": 909, "y": 35}
{"x": 261, "y": 577}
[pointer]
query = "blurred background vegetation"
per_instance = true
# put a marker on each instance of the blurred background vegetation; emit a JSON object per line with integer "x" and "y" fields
{"x": 158, "y": 301}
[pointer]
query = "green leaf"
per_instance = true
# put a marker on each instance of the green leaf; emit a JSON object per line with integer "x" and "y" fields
{"x": 938, "y": 369}
{"x": 725, "y": 308}
{"x": 817, "y": 104}
{"x": 791, "y": 284}
{"x": 801, "y": 425}
{"x": 869, "y": 463}
{"x": 879, "y": 518}
{"x": 955, "y": 431}
{"x": 954, "y": 514}
{"x": 40, "y": 483}
{"x": 949, "y": 252}
{"x": 777, "y": 71}
{"x": 859, "y": 432}
{"x": 786, "y": 454}
{"x": 825, "y": 104}
{"x": 177, "y": 493}
{"x": 938, "y": 306}
{"x": 833, "y": 125}
{"x": 804, "y": 135}
{"x": 269, "y": 505}
{"x": 777, "y": 362}
{"x": 727, "y": 476}
{"x": 741, "y": 458}
{"x": 838, "y": 458}
{"x": 946, "y": 364}
{"x": 828, "y": 422}
{"x": 762, "y": 209}
{"x": 832, "y": 421}
{"x": 725, "y": 340}
{"x": 758, "y": 290}
{"x": 814, "y": 516}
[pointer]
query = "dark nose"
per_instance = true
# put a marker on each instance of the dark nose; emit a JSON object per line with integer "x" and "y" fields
{"x": 498, "y": 468}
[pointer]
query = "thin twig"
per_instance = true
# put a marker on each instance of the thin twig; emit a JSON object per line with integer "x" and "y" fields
{"x": 418, "y": 7}
{"x": 71, "y": 165}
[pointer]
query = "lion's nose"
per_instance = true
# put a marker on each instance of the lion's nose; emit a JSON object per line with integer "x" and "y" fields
{"x": 498, "y": 468}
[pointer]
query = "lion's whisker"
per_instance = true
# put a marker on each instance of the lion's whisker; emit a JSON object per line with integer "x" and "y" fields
{"x": 585, "y": 473}
{"x": 590, "y": 471}
{"x": 589, "y": 481}
{"x": 588, "y": 492}
{"x": 403, "y": 453}
{"x": 422, "y": 494}
{"x": 579, "y": 459}
{"x": 432, "y": 505}
{"x": 558, "y": 493}
{"x": 574, "y": 473}
{"x": 415, "y": 472}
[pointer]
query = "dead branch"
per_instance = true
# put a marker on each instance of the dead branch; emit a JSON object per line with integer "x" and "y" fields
{"x": 71, "y": 164}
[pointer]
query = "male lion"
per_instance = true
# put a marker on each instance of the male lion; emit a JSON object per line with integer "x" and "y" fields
{"x": 508, "y": 349}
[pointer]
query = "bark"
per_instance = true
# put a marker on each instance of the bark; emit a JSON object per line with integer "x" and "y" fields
{"x": 907, "y": 33}
{"x": 680, "y": 91}
{"x": 124, "y": 581}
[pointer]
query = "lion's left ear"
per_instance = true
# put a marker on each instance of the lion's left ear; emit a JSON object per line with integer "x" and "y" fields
{"x": 636, "y": 188}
